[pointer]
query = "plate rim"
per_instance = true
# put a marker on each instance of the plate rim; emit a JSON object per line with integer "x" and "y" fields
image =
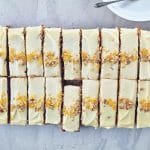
{"x": 124, "y": 16}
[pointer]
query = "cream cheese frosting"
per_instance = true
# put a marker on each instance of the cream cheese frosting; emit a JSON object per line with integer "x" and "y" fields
{"x": 143, "y": 110}
{"x": 36, "y": 100}
{"x": 17, "y": 55}
{"x": 108, "y": 102}
{"x": 110, "y": 53}
{"x": 90, "y": 102}
{"x": 3, "y": 50}
{"x": 71, "y": 53}
{"x": 144, "y": 55}
{"x": 126, "y": 103}
{"x": 18, "y": 109}
{"x": 90, "y": 54}
{"x": 53, "y": 100}
{"x": 51, "y": 52}
{"x": 71, "y": 108}
{"x": 129, "y": 53}
{"x": 3, "y": 101}
{"x": 34, "y": 51}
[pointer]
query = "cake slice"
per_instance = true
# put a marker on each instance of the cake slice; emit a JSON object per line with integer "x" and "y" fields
{"x": 53, "y": 100}
{"x": 71, "y": 54}
{"x": 3, "y": 101}
{"x": 108, "y": 103}
{"x": 90, "y": 54}
{"x": 18, "y": 101}
{"x": 3, "y": 51}
{"x": 71, "y": 108}
{"x": 110, "y": 53}
{"x": 90, "y": 92}
{"x": 51, "y": 52}
{"x": 145, "y": 55}
{"x": 126, "y": 103}
{"x": 17, "y": 54}
{"x": 129, "y": 53}
{"x": 143, "y": 110}
{"x": 34, "y": 51}
{"x": 36, "y": 100}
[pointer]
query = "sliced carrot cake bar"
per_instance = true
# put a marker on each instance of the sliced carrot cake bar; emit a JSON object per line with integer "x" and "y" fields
{"x": 53, "y": 100}
{"x": 90, "y": 54}
{"x": 51, "y": 52}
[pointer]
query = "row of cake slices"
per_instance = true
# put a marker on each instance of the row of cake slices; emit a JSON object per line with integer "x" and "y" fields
{"x": 110, "y": 49}
{"x": 96, "y": 103}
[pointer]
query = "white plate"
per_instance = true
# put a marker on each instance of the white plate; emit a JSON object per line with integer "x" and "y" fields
{"x": 132, "y": 10}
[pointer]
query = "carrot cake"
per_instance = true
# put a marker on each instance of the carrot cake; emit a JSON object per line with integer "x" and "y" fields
{"x": 17, "y": 55}
{"x": 36, "y": 100}
{"x": 34, "y": 51}
{"x": 18, "y": 101}
{"x": 51, "y": 52}
{"x": 108, "y": 102}
{"x": 71, "y": 108}
{"x": 90, "y": 92}
{"x": 71, "y": 54}
{"x": 144, "y": 55}
{"x": 3, "y": 51}
{"x": 53, "y": 100}
{"x": 3, "y": 101}
{"x": 110, "y": 53}
{"x": 129, "y": 53}
{"x": 126, "y": 103}
{"x": 143, "y": 110}
{"x": 90, "y": 54}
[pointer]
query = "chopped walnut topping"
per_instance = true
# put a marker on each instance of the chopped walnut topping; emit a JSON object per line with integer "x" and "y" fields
{"x": 145, "y": 55}
{"x": 126, "y": 58}
{"x": 21, "y": 103}
{"x": 36, "y": 104}
{"x": 51, "y": 60}
{"x": 111, "y": 58}
{"x": 3, "y": 103}
{"x": 54, "y": 103}
{"x": 94, "y": 59}
{"x": 3, "y": 54}
{"x": 144, "y": 105}
{"x": 125, "y": 103}
{"x": 90, "y": 103}
{"x": 111, "y": 103}
{"x": 67, "y": 57}
{"x": 35, "y": 56}
{"x": 73, "y": 110}
{"x": 13, "y": 56}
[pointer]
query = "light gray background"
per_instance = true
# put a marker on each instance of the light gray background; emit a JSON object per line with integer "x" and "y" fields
{"x": 67, "y": 14}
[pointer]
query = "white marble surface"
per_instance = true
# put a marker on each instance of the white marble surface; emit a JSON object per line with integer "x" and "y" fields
{"x": 68, "y": 14}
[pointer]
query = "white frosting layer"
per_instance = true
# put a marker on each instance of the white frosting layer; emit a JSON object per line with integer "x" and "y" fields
{"x": 110, "y": 44}
{"x": 129, "y": 44}
{"x": 3, "y": 90}
{"x": 108, "y": 91}
{"x": 52, "y": 44}
{"x": 53, "y": 89}
{"x": 3, "y": 48}
{"x": 36, "y": 90}
{"x": 90, "y": 117}
{"x": 128, "y": 89}
{"x": 71, "y": 96}
{"x": 90, "y": 45}
{"x": 34, "y": 44}
{"x": 71, "y": 43}
{"x": 16, "y": 41}
{"x": 145, "y": 44}
{"x": 18, "y": 88}
{"x": 143, "y": 117}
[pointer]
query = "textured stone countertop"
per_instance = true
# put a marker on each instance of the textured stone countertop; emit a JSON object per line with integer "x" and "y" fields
{"x": 67, "y": 14}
